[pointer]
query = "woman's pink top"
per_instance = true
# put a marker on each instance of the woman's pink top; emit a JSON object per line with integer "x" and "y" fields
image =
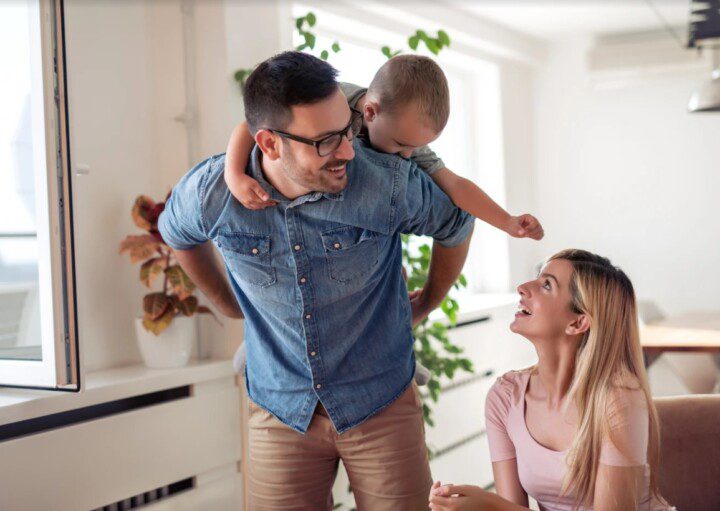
{"x": 541, "y": 470}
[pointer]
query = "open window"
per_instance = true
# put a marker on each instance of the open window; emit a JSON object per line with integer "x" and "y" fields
{"x": 38, "y": 336}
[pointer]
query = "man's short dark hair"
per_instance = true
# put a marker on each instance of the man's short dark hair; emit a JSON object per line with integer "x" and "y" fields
{"x": 281, "y": 82}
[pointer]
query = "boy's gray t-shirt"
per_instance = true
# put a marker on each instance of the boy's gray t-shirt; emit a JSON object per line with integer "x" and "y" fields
{"x": 423, "y": 156}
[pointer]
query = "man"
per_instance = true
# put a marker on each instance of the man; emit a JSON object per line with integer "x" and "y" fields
{"x": 328, "y": 320}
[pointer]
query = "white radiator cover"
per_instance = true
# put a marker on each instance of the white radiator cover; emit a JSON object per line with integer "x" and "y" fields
{"x": 94, "y": 463}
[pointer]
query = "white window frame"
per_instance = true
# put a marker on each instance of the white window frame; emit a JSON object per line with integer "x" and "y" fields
{"x": 59, "y": 368}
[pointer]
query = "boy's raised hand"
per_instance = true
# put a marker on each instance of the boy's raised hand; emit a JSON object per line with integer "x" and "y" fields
{"x": 525, "y": 226}
{"x": 250, "y": 194}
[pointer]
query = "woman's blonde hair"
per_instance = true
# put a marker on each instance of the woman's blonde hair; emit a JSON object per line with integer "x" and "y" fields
{"x": 610, "y": 357}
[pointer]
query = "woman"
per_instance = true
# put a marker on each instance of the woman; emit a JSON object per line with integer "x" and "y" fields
{"x": 579, "y": 429}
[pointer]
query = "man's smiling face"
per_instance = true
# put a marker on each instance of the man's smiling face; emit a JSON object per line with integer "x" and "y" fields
{"x": 301, "y": 162}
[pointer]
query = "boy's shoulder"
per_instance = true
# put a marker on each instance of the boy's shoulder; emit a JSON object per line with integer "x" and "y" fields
{"x": 377, "y": 168}
{"x": 352, "y": 92}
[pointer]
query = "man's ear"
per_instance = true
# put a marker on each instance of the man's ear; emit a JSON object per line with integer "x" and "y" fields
{"x": 371, "y": 110}
{"x": 269, "y": 144}
{"x": 580, "y": 325}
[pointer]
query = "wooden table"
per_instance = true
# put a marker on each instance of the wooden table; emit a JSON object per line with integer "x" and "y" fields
{"x": 691, "y": 332}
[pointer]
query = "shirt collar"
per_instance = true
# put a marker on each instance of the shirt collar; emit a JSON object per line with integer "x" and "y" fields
{"x": 257, "y": 173}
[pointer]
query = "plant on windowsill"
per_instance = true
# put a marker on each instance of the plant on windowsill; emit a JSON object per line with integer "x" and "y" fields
{"x": 169, "y": 307}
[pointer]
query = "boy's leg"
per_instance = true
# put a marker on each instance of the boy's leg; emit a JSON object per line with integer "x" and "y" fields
{"x": 386, "y": 458}
{"x": 287, "y": 470}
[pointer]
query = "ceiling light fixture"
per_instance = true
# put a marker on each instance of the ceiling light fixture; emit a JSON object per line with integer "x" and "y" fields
{"x": 704, "y": 34}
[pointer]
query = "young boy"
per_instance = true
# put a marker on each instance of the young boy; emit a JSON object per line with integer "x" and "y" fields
{"x": 406, "y": 107}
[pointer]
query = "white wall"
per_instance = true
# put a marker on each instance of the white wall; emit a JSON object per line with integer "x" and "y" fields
{"x": 518, "y": 123}
{"x": 628, "y": 173}
{"x": 126, "y": 85}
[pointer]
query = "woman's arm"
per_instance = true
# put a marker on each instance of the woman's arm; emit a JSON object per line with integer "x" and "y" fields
{"x": 618, "y": 488}
{"x": 245, "y": 189}
{"x": 507, "y": 482}
{"x": 621, "y": 471}
{"x": 471, "y": 198}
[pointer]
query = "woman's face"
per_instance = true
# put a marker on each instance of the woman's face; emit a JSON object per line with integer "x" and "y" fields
{"x": 544, "y": 311}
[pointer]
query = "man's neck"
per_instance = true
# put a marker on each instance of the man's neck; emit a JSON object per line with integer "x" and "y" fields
{"x": 276, "y": 176}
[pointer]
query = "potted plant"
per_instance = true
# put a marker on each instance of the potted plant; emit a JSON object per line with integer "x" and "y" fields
{"x": 167, "y": 331}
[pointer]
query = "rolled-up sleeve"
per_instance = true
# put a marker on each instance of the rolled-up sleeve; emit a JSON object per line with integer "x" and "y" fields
{"x": 181, "y": 224}
{"x": 422, "y": 208}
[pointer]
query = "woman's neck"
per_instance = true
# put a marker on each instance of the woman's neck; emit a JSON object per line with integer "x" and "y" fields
{"x": 556, "y": 368}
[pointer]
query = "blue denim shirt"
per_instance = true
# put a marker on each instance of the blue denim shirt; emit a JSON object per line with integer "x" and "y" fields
{"x": 318, "y": 278}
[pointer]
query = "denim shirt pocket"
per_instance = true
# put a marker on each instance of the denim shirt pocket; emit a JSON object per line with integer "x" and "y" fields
{"x": 248, "y": 256}
{"x": 350, "y": 252}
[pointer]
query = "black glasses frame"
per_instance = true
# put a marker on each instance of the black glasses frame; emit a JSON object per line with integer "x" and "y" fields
{"x": 347, "y": 131}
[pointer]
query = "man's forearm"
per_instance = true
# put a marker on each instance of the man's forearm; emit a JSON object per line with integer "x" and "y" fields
{"x": 445, "y": 267}
{"x": 202, "y": 267}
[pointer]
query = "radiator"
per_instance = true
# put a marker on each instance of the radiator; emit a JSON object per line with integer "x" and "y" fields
{"x": 176, "y": 449}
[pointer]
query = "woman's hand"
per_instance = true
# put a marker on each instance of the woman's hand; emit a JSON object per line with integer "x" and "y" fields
{"x": 452, "y": 497}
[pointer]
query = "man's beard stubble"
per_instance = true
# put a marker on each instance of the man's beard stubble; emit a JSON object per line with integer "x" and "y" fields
{"x": 321, "y": 180}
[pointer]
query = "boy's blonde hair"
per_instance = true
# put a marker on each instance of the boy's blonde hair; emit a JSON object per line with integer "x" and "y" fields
{"x": 413, "y": 80}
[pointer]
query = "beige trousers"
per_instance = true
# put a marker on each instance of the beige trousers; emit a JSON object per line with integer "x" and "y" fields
{"x": 385, "y": 458}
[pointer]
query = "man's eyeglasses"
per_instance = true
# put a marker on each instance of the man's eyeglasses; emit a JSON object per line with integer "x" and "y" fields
{"x": 330, "y": 143}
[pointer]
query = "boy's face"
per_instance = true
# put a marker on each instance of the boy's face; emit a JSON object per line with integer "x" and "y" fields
{"x": 301, "y": 162}
{"x": 399, "y": 132}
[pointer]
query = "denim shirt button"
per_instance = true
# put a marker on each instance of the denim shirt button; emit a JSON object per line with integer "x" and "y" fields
{"x": 297, "y": 247}
{"x": 255, "y": 251}
{"x": 312, "y": 353}
{"x": 308, "y": 316}
{"x": 337, "y": 245}
{"x": 318, "y": 386}
{"x": 303, "y": 280}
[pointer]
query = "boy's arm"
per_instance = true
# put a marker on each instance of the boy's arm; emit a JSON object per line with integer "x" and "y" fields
{"x": 245, "y": 189}
{"x": 471, "y": 198}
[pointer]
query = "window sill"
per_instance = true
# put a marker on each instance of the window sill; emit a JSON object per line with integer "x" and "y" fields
{"x": 107, "y": 385}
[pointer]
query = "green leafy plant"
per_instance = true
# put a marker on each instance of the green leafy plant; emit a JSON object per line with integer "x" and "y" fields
{"x": 157, "y": 258}
{"x": 304, "y": 24}
{"x": 433, "y": 347}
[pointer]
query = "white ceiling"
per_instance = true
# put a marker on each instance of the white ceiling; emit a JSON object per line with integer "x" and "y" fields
{"x": 563, "y": 18}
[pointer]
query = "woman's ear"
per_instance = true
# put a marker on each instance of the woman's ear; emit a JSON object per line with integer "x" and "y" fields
{"x": 580, "y": 325}
{"x": 269, "y": 144}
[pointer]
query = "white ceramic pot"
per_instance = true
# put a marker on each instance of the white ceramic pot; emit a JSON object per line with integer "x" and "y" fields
{"x": 172, "y": 348}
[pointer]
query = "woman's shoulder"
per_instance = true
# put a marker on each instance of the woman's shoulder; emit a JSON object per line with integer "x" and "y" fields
{"x": 508, "y": 389}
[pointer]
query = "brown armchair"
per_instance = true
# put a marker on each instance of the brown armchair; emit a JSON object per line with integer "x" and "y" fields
{"x": 689, "y": 475}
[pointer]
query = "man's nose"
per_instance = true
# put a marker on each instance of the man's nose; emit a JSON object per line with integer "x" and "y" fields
{"x": 345, "y": 150}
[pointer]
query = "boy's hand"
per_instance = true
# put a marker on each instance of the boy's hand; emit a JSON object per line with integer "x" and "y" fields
{"x": 524, "y": 226}
{"x": 250, "y": 194}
